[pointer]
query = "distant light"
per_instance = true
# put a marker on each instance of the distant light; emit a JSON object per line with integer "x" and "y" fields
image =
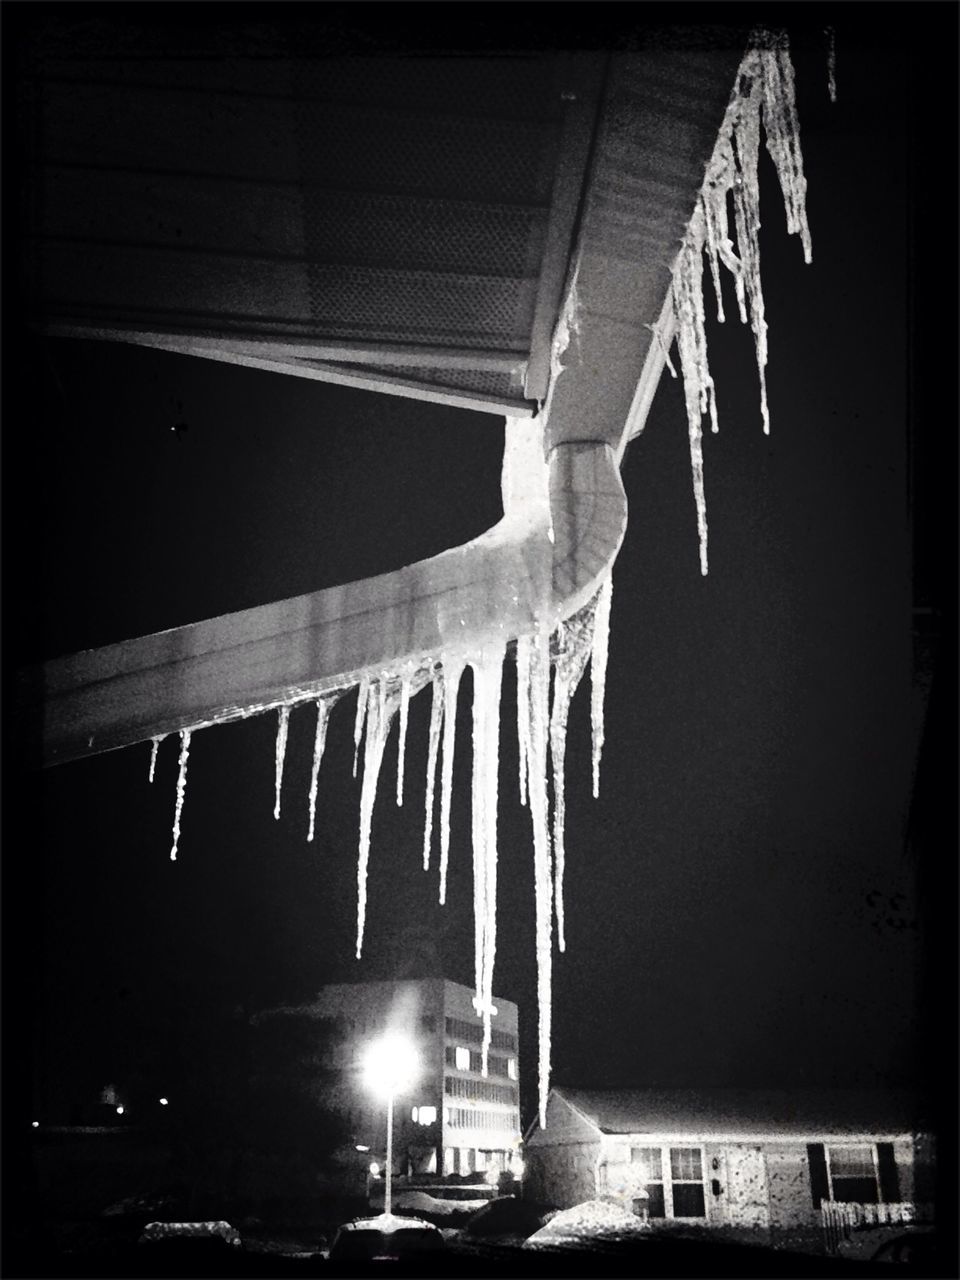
{"x": 390, "y": 1065}
{"x": 361, "y": 1147}
{"x": 119, "y": 1111}
{"x": 164, "y": 1102}
{"x": 36, "y": 1124}
{"x": 375, "y": 1169}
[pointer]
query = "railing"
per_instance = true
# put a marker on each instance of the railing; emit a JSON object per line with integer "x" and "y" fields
{"x": 840, "y": 1218}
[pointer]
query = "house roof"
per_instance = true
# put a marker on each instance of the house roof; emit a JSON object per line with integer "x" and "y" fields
{"x": 766, "y": 1113}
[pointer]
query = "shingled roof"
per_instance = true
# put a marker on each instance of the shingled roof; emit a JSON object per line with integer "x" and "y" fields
{"x": 729, "y": 1112}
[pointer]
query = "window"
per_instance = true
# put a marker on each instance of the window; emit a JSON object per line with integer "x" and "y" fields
{"x": 853, "y": 1174}
{"x": 480, "y": 1090}
{"x": 462, "y": 1058}
{"x": 423, "y": 1115}
{"x": 673, "y": 1180}
{"x": 512, "y": 1068}
{"x": 686, "y": 1177}
{"x": 651, "y": 1175}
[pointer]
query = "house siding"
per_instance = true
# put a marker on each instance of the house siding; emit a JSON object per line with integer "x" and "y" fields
{"x": 563, "y": 1175}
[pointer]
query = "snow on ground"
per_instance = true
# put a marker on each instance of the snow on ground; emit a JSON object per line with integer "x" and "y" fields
{"x": 421, "y": 1202}
{"x": 590, "y": 1220}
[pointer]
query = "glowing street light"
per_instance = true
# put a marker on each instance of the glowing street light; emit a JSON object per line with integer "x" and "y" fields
{"x": 389, "y": 1066}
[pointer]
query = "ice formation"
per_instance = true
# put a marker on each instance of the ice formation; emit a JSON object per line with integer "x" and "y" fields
{"x": 574, "y": 641}
{"x": 487, "y": 681}
{"x": 154, "y": 748}
{"x": 452, "y": 671}
{"x": 379, "y": 714}
{"x": 181, "y": 789}
{"x": 358, "y": 722}
{"x": 763, "y": 94}
{"x": 436, "y": 720}
{"x": 598, "y": 673}
{"x": 280, "y": 752}
{"x": 324, "y": 706}
{"x": 402, "y": 744}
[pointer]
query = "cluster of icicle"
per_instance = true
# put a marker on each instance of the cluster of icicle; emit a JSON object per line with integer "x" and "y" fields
{"x": 763, "y": 94}
{"x": 541, "y": 739}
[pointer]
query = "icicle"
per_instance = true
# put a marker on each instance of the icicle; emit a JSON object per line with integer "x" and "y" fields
{"x": 763, "y": 93}
{"x": 598, "y": 674}
{"x": 154, "y": 748}
{"x": 487, "y": 685}
{"x": 181, "y": 789}
{"x": 574, "y": 642}
{"x": 362, "y": 690}
{"x": 378, "y": 720}
{"x": 539, "y": 649}
{"x": 436, "y": 720}
{"x": 402, "y": 743}
{"x": 451, "y": 686}
{"x": 319, "y": 742}
{"x": 523, "y": 713}
{"x": 831, "y": 62}
{"x": 279, "y": 756}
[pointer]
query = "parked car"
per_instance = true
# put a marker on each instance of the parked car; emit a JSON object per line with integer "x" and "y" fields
{"x": 385, "y": 1238}
{"x": 188, "y": 1248}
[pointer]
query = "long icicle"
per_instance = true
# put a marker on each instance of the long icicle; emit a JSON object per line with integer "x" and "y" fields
{"x": 523, "y": 716}
{"x": 362, "y": 691}
{"x": 490, "y": 689}
{"x": 319, "y": 742}
{"x": 154, "y": 748}
{"x": 451, "y": 686}
{"x": 478, "y": 819}
{"x": 280, "y": 752}
{"x": 181, "y": 789}
{"x": 539, "y": 651}
{"x": 598, "y": 674}
{"x": 402, "y": 742}
{"x": 436, "y": 720}
{"x": 763, "y": 94}
{"x": 379, "y": 716}
{"x": 574, "y": 641}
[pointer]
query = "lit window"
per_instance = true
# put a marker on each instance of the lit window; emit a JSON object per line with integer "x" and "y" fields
{"x": 428, "y": 1115}
{"x": 512, "y": 1068}
{"x": 462, "y": 1058}
{"x": 414, "y": 1114}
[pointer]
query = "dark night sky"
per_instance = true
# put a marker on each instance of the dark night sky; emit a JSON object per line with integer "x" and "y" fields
{"x": 742, "y": 903}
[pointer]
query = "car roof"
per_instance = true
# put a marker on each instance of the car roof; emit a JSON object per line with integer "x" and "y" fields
{"x": 387, "y": 1222}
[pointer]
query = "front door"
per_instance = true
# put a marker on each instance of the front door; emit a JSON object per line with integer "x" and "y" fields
{"x": 746, "y": 1188}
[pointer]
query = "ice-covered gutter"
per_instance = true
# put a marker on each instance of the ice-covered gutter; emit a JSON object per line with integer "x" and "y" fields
{"x": 536, "y": 587}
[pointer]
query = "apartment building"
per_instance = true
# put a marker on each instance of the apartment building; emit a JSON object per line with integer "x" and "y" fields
{"x": 452, "y": 1118}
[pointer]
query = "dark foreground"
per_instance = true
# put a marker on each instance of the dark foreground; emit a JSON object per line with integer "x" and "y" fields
{"x": 681, "y": 1258}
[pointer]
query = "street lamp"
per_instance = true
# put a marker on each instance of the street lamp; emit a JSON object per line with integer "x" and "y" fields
{"x": 390, "y": 1064}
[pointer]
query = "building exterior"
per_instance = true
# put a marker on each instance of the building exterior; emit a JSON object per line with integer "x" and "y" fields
{"x": 453, "y": 1119}
{"x": 742, "y": 1162}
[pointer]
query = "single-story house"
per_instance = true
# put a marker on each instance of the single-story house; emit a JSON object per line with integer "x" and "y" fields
{"x": 744, "y": 1162}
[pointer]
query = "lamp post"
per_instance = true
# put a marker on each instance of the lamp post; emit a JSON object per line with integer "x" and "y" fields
{"x": 390, "y": 1064}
